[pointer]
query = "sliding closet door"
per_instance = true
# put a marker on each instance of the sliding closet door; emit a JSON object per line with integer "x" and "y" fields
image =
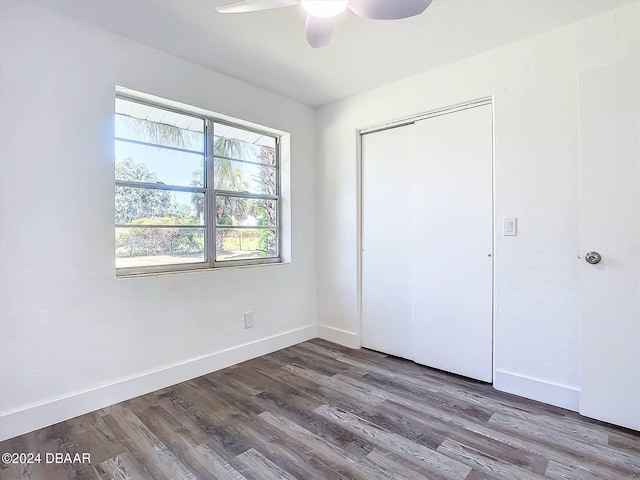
{"x": 427, "y": 242}
{"x": 386, "y": 240}
{"x": 452, "y": 270}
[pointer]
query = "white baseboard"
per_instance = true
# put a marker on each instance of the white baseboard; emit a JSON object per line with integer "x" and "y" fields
{"x": 339, "y": 336}
{"x": 48, "y": 413}
{"x": 559, "y": 395}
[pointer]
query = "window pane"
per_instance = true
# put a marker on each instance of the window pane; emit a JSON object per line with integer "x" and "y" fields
{"x": 189, "y": 138}
{"x": 149, "y": 206}
{"x": 245, "y": 243}
{"x": 248, "y": 212}
{"x": 244, "y": 145}
{"x": 141, "y": 247}
{"x": 142, "y": 163}
{"x": 244, "y": 177}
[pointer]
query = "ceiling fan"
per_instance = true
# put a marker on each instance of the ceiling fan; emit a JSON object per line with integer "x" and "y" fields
{"x": 321, "y": 14}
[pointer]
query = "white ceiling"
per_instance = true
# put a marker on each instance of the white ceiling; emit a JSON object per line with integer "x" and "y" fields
{"x": 269, "y": 48}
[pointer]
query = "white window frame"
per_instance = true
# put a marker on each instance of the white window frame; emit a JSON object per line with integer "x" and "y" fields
{"x": 210, "y": 192}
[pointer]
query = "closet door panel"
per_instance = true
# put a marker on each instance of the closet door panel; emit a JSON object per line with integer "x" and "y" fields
{"x": 386, "y": 240}
{"x": 453, "y": 239}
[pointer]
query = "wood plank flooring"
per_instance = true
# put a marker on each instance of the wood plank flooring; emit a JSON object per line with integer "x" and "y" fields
{"x": 321, "y": 411}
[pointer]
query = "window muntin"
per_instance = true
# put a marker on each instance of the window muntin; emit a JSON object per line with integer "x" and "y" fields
{"x": 192, "y": 192}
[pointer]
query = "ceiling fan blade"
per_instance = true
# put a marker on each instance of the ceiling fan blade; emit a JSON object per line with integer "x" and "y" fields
{"x": 388, "y": 9}
{"x": 245, "y": 6}
{"x": 319, "y": 30}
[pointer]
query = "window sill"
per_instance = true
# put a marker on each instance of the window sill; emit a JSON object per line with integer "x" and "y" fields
{"x": 200, "y": 270}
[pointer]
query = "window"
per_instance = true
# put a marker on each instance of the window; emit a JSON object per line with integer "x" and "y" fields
{"x": 192, "y": 192}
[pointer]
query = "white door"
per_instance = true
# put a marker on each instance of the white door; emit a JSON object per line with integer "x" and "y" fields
{"x": 427, "y": 240}
{"x": 386, "y": 240}
{"x": 610, "y": 225}
{"x": 453, "y": 218}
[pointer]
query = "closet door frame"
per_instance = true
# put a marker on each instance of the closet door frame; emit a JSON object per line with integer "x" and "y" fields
{"x": 408, "y": 120}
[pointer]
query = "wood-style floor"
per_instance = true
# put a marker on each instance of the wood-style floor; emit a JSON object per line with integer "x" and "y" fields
{"x": 321, "y": 411}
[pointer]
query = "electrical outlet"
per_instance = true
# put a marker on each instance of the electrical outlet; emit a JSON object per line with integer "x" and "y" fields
{"x": 248, "y": 319}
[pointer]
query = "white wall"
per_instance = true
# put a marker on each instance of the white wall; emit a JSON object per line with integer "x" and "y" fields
{"x": 535, "y": 89}
{"x": 68, "y": 326}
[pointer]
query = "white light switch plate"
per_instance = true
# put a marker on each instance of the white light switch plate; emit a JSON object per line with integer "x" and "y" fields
{"x": 510, "y": 227}
{"x": 248, "y": 319}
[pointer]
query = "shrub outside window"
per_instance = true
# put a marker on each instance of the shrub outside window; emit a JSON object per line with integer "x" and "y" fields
{"x": 191, "y": 191}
